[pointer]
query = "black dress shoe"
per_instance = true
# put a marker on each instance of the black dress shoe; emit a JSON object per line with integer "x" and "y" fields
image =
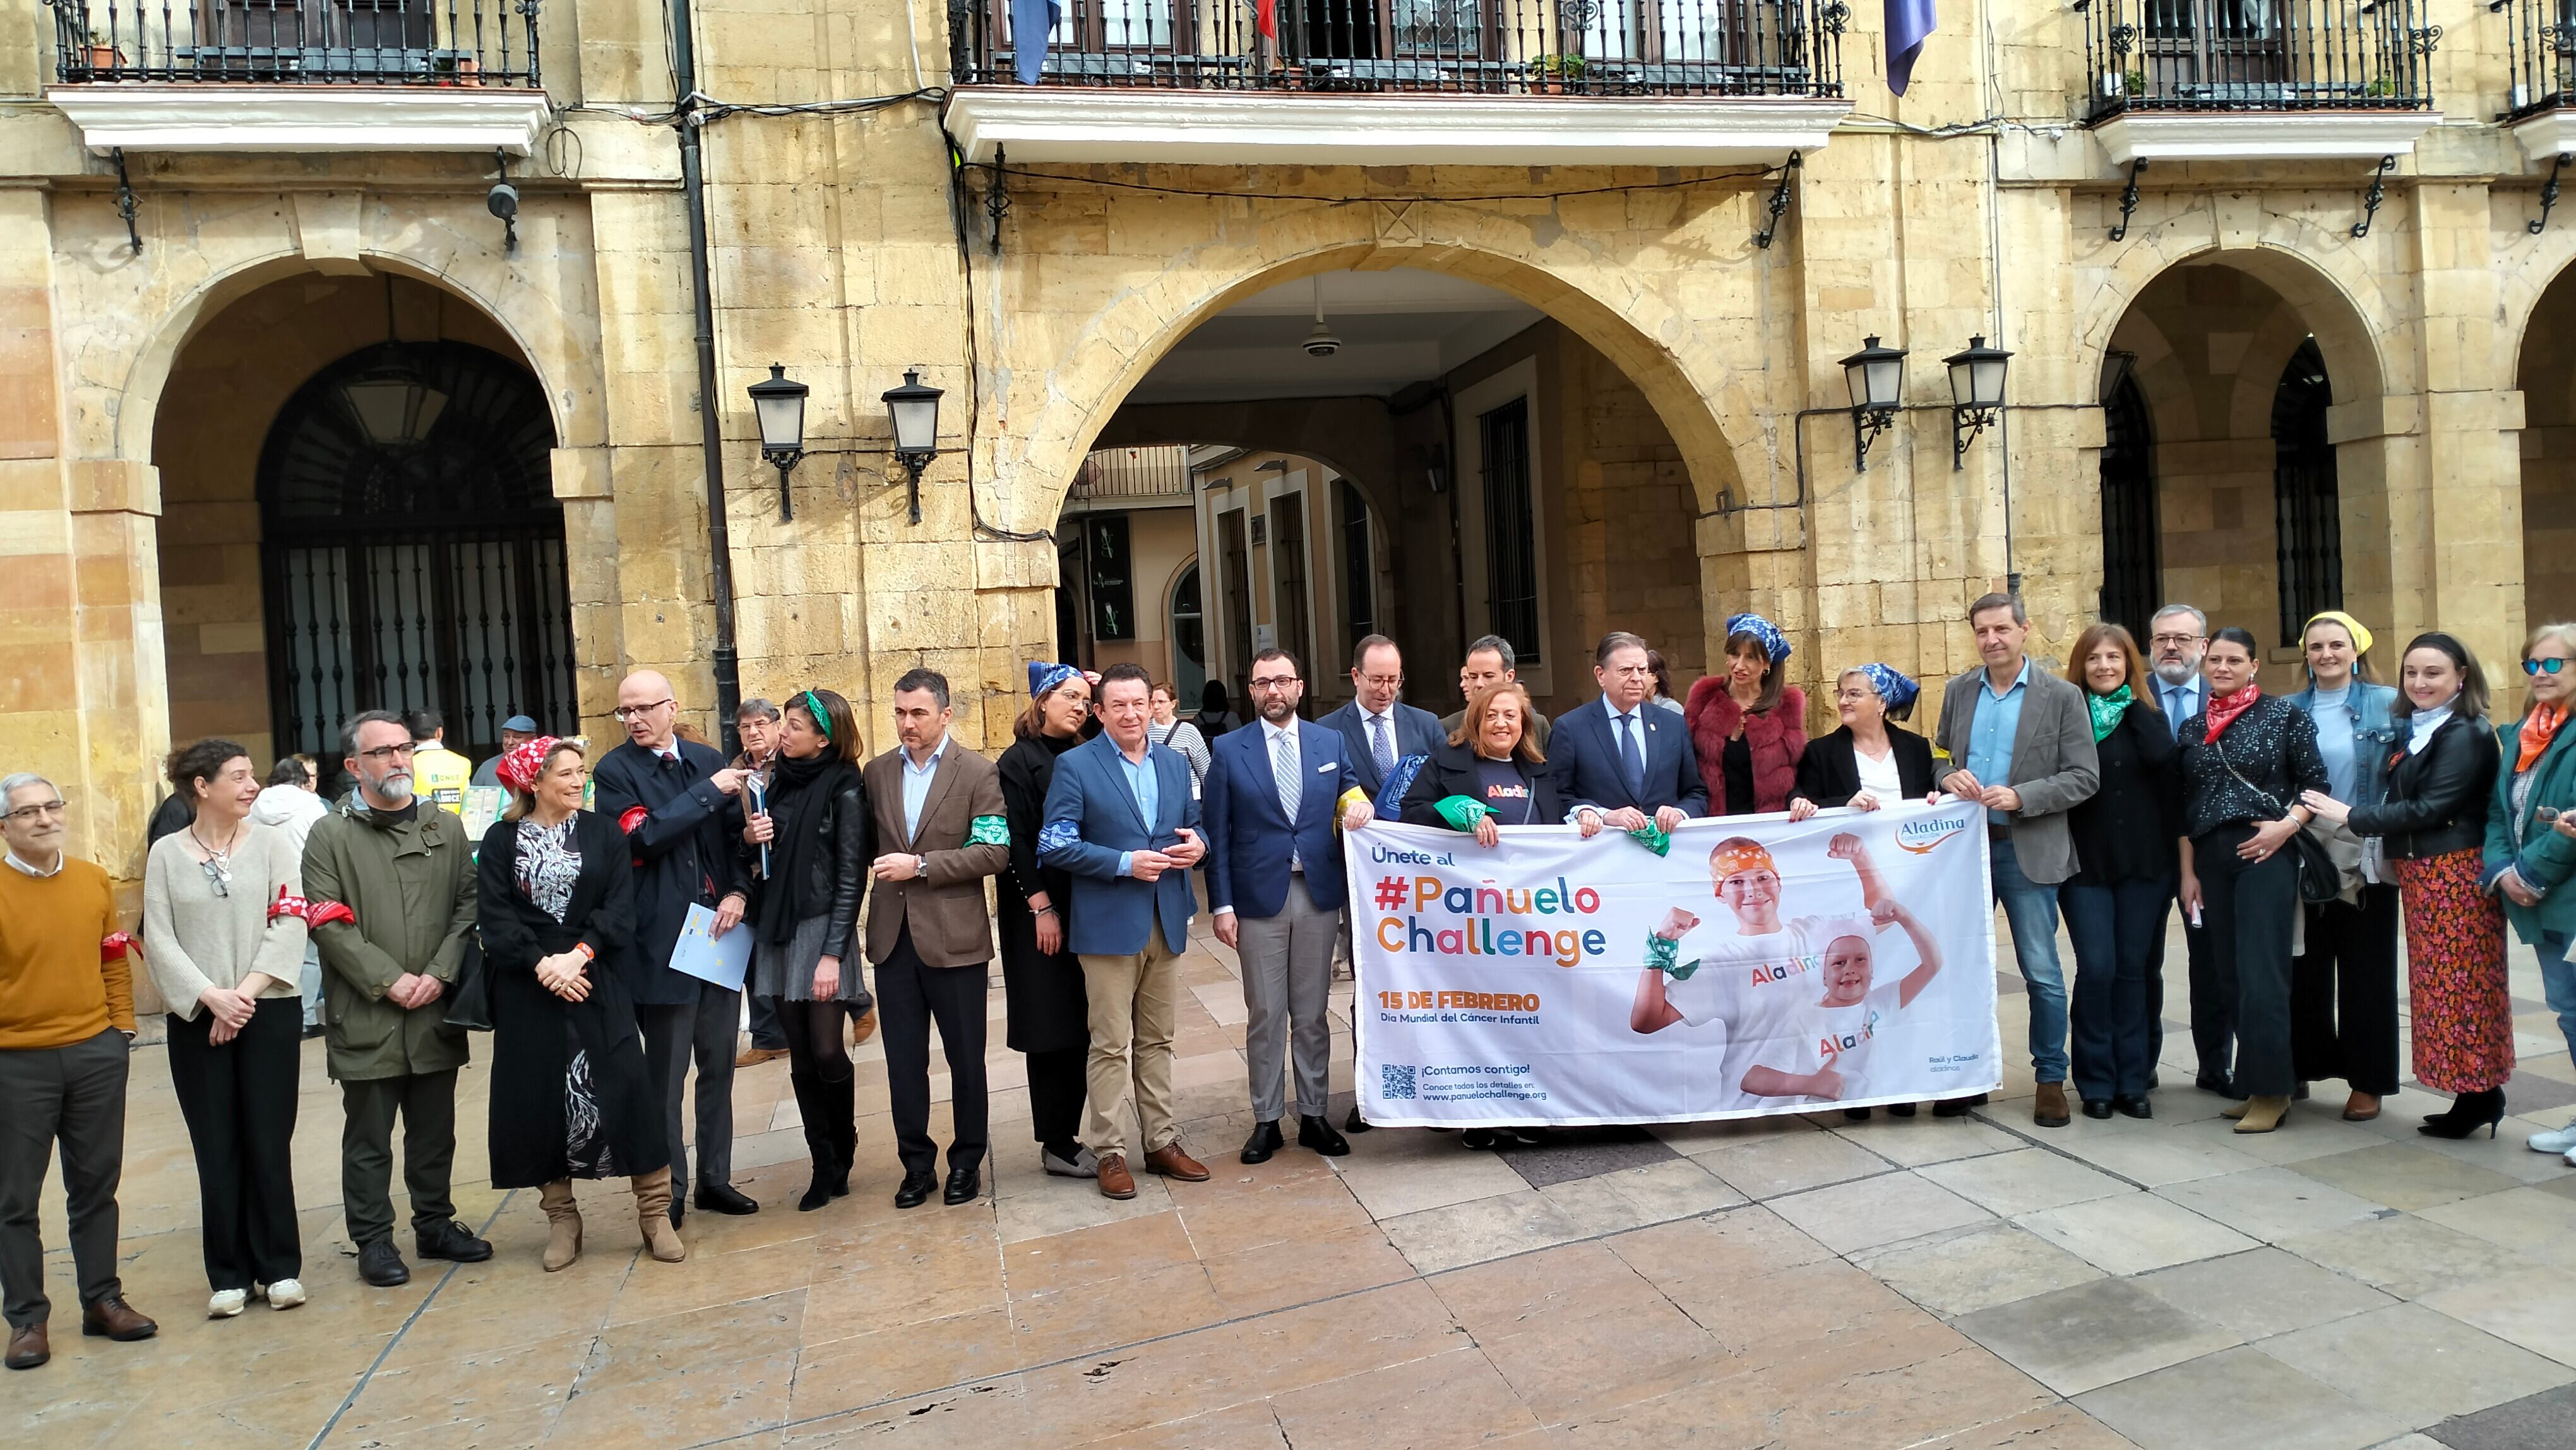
{"x": 2097, "y": 1107}
{"x": 1265, "y": 1140}
{"x": 2219, "y": 1083}
{"x": 1355, "y": 1123}
{"x": 725, "y": 1198}
{"x": 1855, "y": 1115}
{"x": 2134, "y": 1105}
{"x": 916, "y": 1189}
{"x": 1900, "y": 1110}
{"x": 1313, "y": 1132}
{"x": 381, "y": 1264}
{"x": 453, "y": 1242}
{"x": 964, "y": 1184}
{"x": 1957, "y": 1107}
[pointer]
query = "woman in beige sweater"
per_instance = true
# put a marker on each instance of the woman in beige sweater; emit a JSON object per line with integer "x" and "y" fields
{"x": 225, "y": 938}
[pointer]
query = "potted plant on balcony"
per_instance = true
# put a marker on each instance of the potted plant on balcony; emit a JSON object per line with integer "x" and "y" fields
{"x": 1554, "y": 71}
{"x": 100, "y": 54}
{"x": 2135, "y": 83}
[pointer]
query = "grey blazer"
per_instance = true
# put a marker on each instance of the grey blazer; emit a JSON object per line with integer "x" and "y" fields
{"x": 2053, "y": 765}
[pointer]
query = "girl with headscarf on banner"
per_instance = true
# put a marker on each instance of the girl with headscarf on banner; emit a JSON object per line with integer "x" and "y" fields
{"x": 1867, "y": 762}
{"x": 1748, "y": 724}
{"x": 1049, "y": 1009}
{"x": 1820, "y": 1043}
{"x": 1746, "y": 879}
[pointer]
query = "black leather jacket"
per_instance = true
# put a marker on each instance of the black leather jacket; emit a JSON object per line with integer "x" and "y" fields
{"x": 2437, "y": 799}
{"x": 837, "y": 876}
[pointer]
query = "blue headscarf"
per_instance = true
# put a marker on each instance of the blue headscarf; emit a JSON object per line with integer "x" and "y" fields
{"x": 1045, "y": 675}
{"x": 1892, "y": 684}
{"x": 1774, "y": 643}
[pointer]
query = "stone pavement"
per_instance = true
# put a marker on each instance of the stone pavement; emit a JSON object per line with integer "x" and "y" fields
{"x": 1794, "y": 1282}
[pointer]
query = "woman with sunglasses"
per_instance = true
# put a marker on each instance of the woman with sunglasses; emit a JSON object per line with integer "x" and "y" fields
{"x": 2526, "y": 861}
{"x": 222, "y": 910}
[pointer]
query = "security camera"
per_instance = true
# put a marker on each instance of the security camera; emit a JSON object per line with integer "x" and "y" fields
{"x": 503, "y": 201}
{"x": 1321, "y": 342}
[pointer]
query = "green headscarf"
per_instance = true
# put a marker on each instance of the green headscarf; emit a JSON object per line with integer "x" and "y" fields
{"x": 2107, "y": 710}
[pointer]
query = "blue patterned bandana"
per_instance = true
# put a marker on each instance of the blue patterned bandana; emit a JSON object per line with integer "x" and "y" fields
{"x": 1044, "y": 676}
{"x": 1774, "y": 643}
{"x": 1891, "y": 683}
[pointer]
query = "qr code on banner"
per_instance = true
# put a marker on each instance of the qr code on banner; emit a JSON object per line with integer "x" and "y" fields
{"x": 1394, "y": 1081}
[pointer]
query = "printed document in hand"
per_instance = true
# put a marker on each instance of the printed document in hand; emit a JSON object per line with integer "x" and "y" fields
{"x": 722, "y": 960}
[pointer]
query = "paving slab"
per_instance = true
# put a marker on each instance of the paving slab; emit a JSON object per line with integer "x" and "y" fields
{"x": 2236, "y": 1399}
{"x": 2416, "y": 1364}
{"x": 2261, "y": 1293}
{"x": 2134, "y": 1233}
{"x": 2092, "y": 1334}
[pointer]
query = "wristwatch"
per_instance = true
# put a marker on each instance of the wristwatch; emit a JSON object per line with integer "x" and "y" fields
{"x": 921, "y": 866}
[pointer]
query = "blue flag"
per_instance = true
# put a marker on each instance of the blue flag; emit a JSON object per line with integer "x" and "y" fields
{"x": 1033, "y": 21}
{"x": 1909, "y": 24}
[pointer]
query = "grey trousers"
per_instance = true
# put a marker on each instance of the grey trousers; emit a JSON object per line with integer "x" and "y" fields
{"x": 672, "y": 1036}
{"x": 72, "y": 1096}
{"x": 427, "y": 1103}
{"x": 1287, "y": 984}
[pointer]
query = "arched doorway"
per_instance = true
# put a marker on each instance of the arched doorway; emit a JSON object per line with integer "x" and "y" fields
{"x": 412, "y": 549}
{"x": 358, "y": 513}
{"x": 2546, "y": 375}
{"x": 2307, "y": 508}
{"x": 2132, "y": 562}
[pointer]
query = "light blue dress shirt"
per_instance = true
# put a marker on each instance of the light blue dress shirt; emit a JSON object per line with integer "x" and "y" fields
{"x": 1991, "y": 731}
{"x": 2180, "y": 702}
{"x": 916, "y": 788}
{"x": 1146, "y": 783}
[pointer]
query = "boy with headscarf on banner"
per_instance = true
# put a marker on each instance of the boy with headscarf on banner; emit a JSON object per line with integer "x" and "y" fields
{"x": 1818, "y": 1045}
{"x": 1711, "y": 986}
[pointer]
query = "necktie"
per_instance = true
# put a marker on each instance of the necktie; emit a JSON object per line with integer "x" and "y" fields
{"x": 1290, "y": 789}
{"x": 1632, "y": 758}
{"x": 1383, "y": 744}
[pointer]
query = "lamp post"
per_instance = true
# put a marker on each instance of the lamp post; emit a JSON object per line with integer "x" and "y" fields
{"x": 915, "y": 408}
{"x": 778, "y": 401}
{"x": 1976, "y": 393}
{"x": 1875, "y": 376}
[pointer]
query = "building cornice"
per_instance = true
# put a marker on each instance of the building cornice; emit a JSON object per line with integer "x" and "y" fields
{"x": 2263, "y": 135}
{"x": 243, "y": 118}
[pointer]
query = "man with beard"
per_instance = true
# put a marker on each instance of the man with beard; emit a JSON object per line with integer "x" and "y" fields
{"x": 674, "y": 800}
{"x": 2176, "y": 639}
{"x": 389, "y": 886}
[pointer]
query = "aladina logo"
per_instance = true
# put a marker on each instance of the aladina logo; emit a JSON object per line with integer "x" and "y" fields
{"x": 1922, "y": 834}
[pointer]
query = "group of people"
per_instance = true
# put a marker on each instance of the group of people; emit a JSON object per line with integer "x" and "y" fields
{"x": 2295, "y": 832}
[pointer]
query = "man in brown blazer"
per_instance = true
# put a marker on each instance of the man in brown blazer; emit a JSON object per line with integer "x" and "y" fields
{"x": 939, "y": 805}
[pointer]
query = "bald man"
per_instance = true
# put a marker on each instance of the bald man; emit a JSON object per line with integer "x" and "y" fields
{"x": 672, "y": 797}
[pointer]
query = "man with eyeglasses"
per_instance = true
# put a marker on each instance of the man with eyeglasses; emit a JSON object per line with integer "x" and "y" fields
{"x": 1274, "y": 799}
{"x": 389, "y": 893}
{"x": 678, "y": 802}
{"x": 1620, "y": 763}
{"x": 2176, "y": 639}
{"x": 66, "y": 1017}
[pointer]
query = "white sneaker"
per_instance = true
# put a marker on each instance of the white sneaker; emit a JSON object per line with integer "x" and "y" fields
{"x": 2560, "y": 1140}
{"x": 225, "y": 1303}
{"x": 285, "y": 1294}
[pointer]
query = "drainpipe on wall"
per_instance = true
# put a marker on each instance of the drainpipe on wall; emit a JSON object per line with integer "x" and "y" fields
{"x": 693, "y": 188}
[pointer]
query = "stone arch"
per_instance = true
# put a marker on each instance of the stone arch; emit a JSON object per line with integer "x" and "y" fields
{"x": 2326, "y": 283}
{"x": 1351, "y": 436}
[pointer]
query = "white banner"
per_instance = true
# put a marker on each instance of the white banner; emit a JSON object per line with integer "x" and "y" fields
{"x": 1758, "y": 967}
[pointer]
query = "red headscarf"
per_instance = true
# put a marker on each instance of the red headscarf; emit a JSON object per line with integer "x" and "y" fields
{"x": 519, "y": 765}
{"x": 2223, "y": 709}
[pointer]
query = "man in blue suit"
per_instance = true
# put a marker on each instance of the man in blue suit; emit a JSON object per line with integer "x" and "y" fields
{"x": 1275, "y": 883}
{"x": 1120, "y": 821}
{"x": 1619, "y": 761}
{"x": 1379, "y": 731}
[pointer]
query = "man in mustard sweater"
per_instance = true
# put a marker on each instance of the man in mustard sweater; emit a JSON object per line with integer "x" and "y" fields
{"x": 66, "y": 1017}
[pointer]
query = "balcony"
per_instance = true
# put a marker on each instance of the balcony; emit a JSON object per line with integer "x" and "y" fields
{"x": 2255, "y": 80}
{"x": 2540, "y": 67}
{"x": 1116, "y": 478}
{"x": 1396, "y": 82}
{"x": 299, "y": 75}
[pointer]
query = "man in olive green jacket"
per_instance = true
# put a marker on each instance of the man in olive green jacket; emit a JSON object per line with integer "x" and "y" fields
{"x": 389, "y": 882}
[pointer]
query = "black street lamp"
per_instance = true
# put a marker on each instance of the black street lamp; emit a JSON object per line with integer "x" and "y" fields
{"x": 1976, "y": 393}
{"x": 778, "y": 401}
{"x": 1875, "y": 376}
{"x": 915, "y": 407}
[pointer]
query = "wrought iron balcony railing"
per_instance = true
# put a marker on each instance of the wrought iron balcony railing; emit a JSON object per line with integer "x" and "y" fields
{"x": 2257, "y": 55}
{"x": 298, "y": 42}
{"x": 2540, "y": 55}
{"x": 1489, "y": 47}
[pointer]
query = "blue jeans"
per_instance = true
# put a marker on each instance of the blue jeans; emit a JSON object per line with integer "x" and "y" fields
{"x": 2558, "y": 984}
{"x": 2116, "y": 929}
{"x": 2032, "y": 912}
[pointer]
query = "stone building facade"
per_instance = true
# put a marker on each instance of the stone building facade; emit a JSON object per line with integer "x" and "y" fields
{"x": 1036, "y": 252}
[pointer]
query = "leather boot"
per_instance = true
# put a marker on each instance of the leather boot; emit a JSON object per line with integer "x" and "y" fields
{"x": 653, "y": 1215}
{"x": 2262, "y": 1114}
{"x": 563, "y": 1224}
{"x": 813, "y": 1107}
{"x": 843, "y": 1099}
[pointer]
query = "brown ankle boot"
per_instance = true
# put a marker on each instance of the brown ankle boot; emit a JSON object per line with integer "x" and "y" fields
{"x": 563, "y": 1225}
{"x": 653, "y": 1216}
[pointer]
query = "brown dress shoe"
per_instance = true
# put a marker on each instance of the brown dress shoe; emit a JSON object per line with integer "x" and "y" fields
{"x": 2048, "y": 1108}
{"x": 115, "y": 1319}
{"x": 864, "y": 1028}
{"x": 755, "y": 1056}
{"x": 28, "y": 1347}
{"x": 1115, "y": 1180}
{"x": 1171, "y": 1162}
{"x": 2360, "y": 1108}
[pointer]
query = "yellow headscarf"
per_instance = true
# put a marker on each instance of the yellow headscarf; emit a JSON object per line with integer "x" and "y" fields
{"x": 2352, "y": 626}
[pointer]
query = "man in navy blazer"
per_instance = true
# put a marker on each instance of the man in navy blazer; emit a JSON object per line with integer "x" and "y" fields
{"x": 1121, "y": 822}
{"x": 1379, "y": 731}
{"x": 1274, "y": 797}
{"x": 1619, "y": 761}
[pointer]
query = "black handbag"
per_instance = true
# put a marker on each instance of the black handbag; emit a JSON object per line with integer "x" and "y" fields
{"x": 2320, "y": 880}
{"x": 469, "y": 1002}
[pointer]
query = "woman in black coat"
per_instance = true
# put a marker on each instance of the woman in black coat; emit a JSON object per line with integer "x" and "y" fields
{"x": 555, "y": 891}
{"x": 1050, "y": 1013}
{"x": 1868, "y": 762}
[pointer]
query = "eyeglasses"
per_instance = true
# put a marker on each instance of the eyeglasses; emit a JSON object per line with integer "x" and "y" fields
{"x": 1383, "y": 682}
{"x": 383, "y": 753}
{"x": 2166, "y": 639}
{"x": 625, "y": 713}
{"x": 2540, "y": 667}
{"x": 40, "y": 808}
{"x": 1274, "y": 682}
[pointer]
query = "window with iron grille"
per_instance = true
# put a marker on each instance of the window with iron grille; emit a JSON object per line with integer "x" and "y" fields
{"x": 2132, "y": 567}
{"x": 1113, "y": 586}
{"x": 1359, "y": 571}
{"x": 1511, "y": 529}
{"x": 2306, "y": 505}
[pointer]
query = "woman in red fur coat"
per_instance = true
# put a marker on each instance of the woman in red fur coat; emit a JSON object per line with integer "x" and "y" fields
{"x": 1749, "y": 726}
